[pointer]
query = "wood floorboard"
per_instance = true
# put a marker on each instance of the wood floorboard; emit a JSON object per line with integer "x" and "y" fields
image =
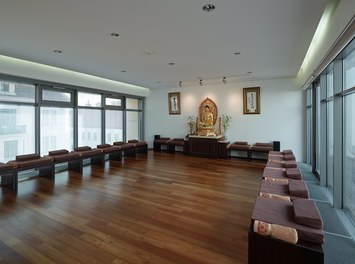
{"x": 159, "y": 208}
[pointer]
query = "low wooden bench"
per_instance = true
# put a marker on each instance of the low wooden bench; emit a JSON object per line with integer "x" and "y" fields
{"x": 261, "y": 148}
{"x": 140, "y": 146}
{"x": 73, "y": 159}
{"x": 95, "y": 155}
{"x": 175, "y": 142}
{"x": 163, "y": 141}
{"x": 44, "y": 165}
{"x": 8, "y": 179}
{"x": 241, "y": 146}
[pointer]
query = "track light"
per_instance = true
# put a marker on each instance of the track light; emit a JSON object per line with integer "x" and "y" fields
{"x": 201, "y": 83}
{"x": 224, "y": 80}
{"x": 180, "y": 84}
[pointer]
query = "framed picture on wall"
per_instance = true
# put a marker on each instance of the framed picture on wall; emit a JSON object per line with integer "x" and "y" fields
{"x": 251, "y": 100}
{"x": 174, "y": 104}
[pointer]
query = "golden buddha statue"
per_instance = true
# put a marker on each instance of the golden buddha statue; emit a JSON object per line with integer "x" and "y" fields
{"x": 207, "y": 118}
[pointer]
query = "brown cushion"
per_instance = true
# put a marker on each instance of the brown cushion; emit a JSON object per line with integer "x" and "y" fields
{"x": 58, "y": 152}
{"x": 293, "y": 173}
{"x": 306, "y": 213}
{"x": 85, "y": 148}
{"x": 27, "y": 157}
{"x": 133, "y": 141}
{"x": 178, "y": 139}
{"x": 240, "y": 143}
{"x": 287, "y": 151}
{"x": 263, "y": 144}
{"x": 289, "y": 157}
{"x": 65, "y": 157}
{"x": 104, "y": 146}
{"x": 298, "y": 188}
{"x": 119, "y": 143}
{"x": 290, "y": 164}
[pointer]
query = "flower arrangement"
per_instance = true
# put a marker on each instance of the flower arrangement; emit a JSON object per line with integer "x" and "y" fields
{"x": 191, "y": 122}
{"x": 226, "y": 122}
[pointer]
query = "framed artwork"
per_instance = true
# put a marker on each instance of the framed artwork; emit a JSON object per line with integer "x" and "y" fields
{"x": 251, "y": 100}
{"x": 174, "y": 104}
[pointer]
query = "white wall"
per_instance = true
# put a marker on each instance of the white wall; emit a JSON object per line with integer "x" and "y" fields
{"x": 281, "y": 118}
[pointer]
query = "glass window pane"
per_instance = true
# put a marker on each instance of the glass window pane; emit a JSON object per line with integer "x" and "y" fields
{"x": 17, "y": 92}
{"x": 330, "y": 84}
{"x": 113, "y": 101}
{"x": 56, "y": 126}
{"x": 349, "y": 70}
{"x": 349, "y": 156}
{"x": 330, "y": 151}
{"x": 132, "y": 125}
{"x": 17, "y": 131}
{"x": 56, "y": 96}
{"x": 89, "y": 127}
{"x": 89, "y": 99}
{"x": 114, "y": 126}
{"x": 132, "y": 103}
{"x": 318, "y": 132}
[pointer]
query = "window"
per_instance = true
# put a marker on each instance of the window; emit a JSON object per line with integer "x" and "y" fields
{"x": 132, "y": 103}
{"x": 10, "y": 149}
{"x": 318, "y": 130}
{"x": 17, "y": 124}
{"x": 113, "y": 101}
{"x": 132, "y": 128}
{"x": 57, "y": 124}
{"x": 4, "y": 87}
{"x": 17, "y": 92}
{"x": 113, "y": 126}
{"x": 89, "y": 99}
{"x": 89, "y": 122}
{"x": 56, "y": 96}
{"x": 330, "y": 132}
{"x": 309, "y": 124}
{"x": 349, "y": 137}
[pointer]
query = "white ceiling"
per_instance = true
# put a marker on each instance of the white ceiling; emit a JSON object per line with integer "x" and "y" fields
{"x": 272, "y": 37}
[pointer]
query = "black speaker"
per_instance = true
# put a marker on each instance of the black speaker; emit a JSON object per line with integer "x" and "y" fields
{"x": 156, "y": 137}
{"x": 276, "y": 145}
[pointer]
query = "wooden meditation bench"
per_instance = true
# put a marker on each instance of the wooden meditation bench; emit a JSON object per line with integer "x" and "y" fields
{"x": 241, "y": 146}
{"x": 8, "y": 178}
{"x": 161, "y": 141}
{"x": 173, "y": 143}
{"x": 261, "y": 148}
{"x": 73, "y": 159}
{"x": 44, "y": 165}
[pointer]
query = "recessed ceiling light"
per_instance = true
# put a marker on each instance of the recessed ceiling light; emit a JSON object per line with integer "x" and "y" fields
{"x": 149, "y": 52}
{"x": 57, "y": 51}
{"x": 249, "y": 72}
{"x": 208, "y": 8}
{"x": 171, "y": 63}
{"x": 115, "y": 34}
{"x": 237, "y": 53}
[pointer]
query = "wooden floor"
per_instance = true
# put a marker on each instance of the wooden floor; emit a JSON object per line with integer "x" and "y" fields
{"x": 155, "y": 208}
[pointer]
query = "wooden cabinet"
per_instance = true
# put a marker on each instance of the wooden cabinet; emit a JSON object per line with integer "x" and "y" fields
{"x": 222, "y": 149}
{"x": 203, "y": 146}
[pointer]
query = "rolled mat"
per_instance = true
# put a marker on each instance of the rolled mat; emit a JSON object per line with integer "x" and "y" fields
{"x": 284, "y": 233}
